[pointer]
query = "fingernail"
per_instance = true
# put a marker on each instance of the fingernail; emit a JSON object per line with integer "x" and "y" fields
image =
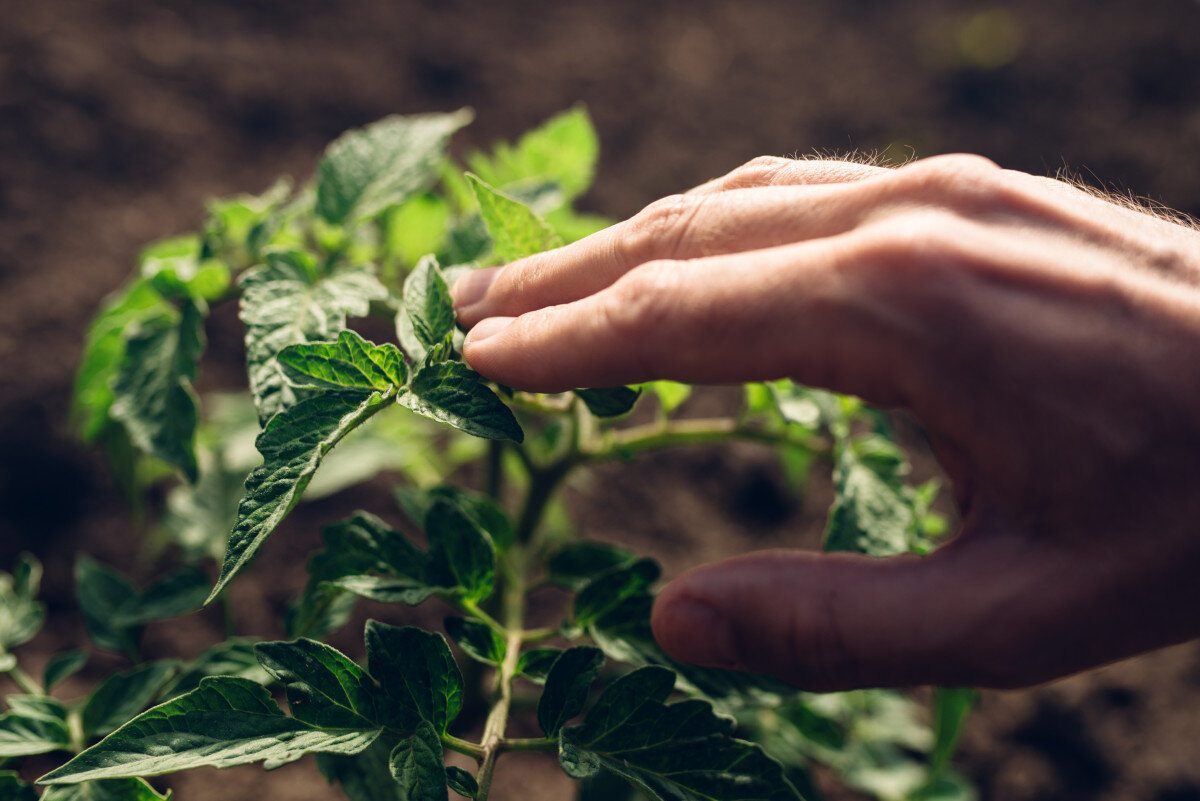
{"x": 488, "y": 327}
{"x": 471, "y": 288}
{"x": 692, "y": 630}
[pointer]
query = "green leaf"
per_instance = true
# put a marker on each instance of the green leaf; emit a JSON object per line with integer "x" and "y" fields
{"x": 577, "y": 563}
{"x": 567, "y": 687}
{"x": 367, "y": 775}
{"x": 873, "y": 512}
{"x": 177, "y": 593}
{"x": 106, "y": 790}
{"x": 461, "y": 782}
{"x": 612, "y": 402}
{"x": 605, "y": 592}
{"x": 222, "y": 723}
{"x": 62, "y": 666}
{"x": 478, "y": 640}
{"x": 677, "y": 752}
{"x": 670, "y": 394}
{"x": 951, "y": 708}
{"x": 33, "y": 725}
{"x": 324, "y": 687}
{"x": 451, "y": 393}
{"x": 101, "y": 593}
{"x": 349, "y": 363}
{"x": 416, "y": 228}
{"x": 564, "y": 150}
{"x": 13, "y": 789}
{"x": 21, "y": 614}
{"x": 461, "y": 554}
{"x": 290, "y": 301}
{"x": 152, "y": 389}
{"x": 516, "y": 230}
{"x": 428, "y": 304}
{"x": 535, "y": 663}
{"x": 482, "y": 510}
{"x": 115, "y": 611}
{"x": 292, "y": 445}
{"x": 104, "y": 349}
{"x": 418, "y": 765}
{"x": 805, "y": 407}
{"x": 418, "y": 674}
{"x": 121, "y": 696}
{"x": 365, "y": 170}
{"x": 234, "y": 658}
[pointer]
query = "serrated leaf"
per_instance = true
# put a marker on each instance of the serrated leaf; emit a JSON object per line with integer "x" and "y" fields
{"x": 106, "y": 790}
{"x": 152, "y": 388}
{"x": 385, "y": 589}
{"x": 482, "y": 510}
{"x": 101, "y": 593}
{"x": 121, "y": 696}
{"x": 477, "y": 640}
{"x": 234, "y": 658}
{"x": 452, "y": 393}
{"x": 324, "y": 687}
{"x": 418, "y": 765}
{"x": 21, "y": 614}
{"x": 292, "y": 445}
{"x": 13, "y": 789}
{"x": 612, "y": 402}
{"x": 677, "y": 752}
{"x": 461, "y": 554}
{"x": 535, "y": 663}
{"x": 291, "y": 301}
{"x": 567, "y": 686}
{"x": 349, "y": 363}
{"x": 115, "y": 611}
{"x": 417, "y": 673}
{"x": 367, "y": 169}
{"x": 367, "y": 775}
{"x": 428, "y": 304}
{"x": 416, "y": 228}
{"x": 62, "y": 666}
{"x": 461, "y": 782}
{"x": 564, "y": 150}
{"x": 222, "y": 723}
{"x": 873, "y": 510}
{"x": 605, "y": 592}
{"x": 33, "y": 725}
{"x": 104, "y": 350}
{"x": 516, "y": 230}
{"x": 577, "y": 563}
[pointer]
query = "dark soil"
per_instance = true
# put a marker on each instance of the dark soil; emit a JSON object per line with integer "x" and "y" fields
{"x": 118, "y": 118}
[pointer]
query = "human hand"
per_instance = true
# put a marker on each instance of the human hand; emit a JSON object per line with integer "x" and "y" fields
{"x": 1047, "y": 339}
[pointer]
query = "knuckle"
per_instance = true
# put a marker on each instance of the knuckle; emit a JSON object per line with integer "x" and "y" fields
{"x": 958, "y": 176}
{"x": 758, "y": 171}
{"x": 660, "y": 229}
{"x": 637, "y": 308}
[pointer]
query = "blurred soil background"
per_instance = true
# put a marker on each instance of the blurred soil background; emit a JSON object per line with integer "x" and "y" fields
{"x": 119, "y": 118}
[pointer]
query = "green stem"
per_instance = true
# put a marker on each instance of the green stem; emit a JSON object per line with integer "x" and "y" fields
{"x": 493, "y": 482}
{"x": 462, "y": 746}
{"x": 497, "y": 721}
{"x": 25, "y": 681}
{"x": 472, "y": 609}
{"x": 531, "y": 744}
{"x": 654, "y": 436}
{"x": 536, "y": 635}
{"x": 543, "y": 483}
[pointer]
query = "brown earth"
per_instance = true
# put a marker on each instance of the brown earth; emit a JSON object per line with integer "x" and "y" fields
{"x": 119, "y": 118}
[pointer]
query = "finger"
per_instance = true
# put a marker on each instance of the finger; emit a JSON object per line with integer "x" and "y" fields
{"x": 979, "y": 612}
{"x": 810, "y": 311}
{"x": 776, "y": 171}
{"x": 676, "y": 227}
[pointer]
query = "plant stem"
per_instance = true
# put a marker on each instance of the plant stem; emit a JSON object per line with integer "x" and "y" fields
{"x": 531, "y": 744}
{"x": 25, "y": 681}
{"x": 497, "y": 720}
{"x": 494, "y": 474}
{"x": 542, "y": 484}
{"x": 462, "y": 746}
{"x": 653, "y": 436}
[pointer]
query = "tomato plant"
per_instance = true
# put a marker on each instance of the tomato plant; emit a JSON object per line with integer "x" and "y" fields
{"x": 382, "y": 230}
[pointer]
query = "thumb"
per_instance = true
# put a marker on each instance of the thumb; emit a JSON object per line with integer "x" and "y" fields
{"x": 971, "y": 614}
